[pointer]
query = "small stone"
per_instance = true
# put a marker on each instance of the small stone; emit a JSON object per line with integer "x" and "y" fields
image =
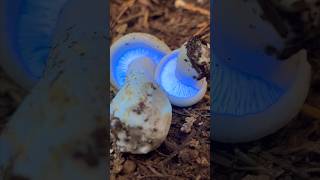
{"x": 129, "y": 167}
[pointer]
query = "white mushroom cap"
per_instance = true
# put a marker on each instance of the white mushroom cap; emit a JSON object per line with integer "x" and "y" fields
{"x": 178, "y": 76}
{"x": 131, "y": 47}
{"x": 140, "y": 112}
{"x": 254, "y": 94}
{"x": 245, "y": 109}
{"x": 26, "y": 33}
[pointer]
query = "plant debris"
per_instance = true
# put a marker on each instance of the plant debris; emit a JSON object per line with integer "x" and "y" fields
{"x": 186, "y": 127}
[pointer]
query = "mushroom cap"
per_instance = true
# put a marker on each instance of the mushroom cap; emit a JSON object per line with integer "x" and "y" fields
{"x": 26, "y": 32}
{"x": 242, "y": 39}
{"x": 243, "y": 117}
{"x": 140, "y": 112}
{"x": 254, "y": 93}
{"x": 130, "y": 47}
{"x": 183, "y": 90}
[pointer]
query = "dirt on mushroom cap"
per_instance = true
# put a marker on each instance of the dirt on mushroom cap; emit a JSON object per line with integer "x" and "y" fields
{"x": 196, "y": 51}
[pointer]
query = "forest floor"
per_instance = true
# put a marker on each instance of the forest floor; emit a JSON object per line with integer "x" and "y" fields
{"x": 293, "y": 153}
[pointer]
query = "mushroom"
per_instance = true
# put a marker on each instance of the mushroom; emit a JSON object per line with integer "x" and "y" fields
{"x": 140, "y": 112}
{"x": 182, "y": 74}
{"x": 254, "y": 93}
{"x": 26, "y": 34}
{"x": 131, "y": 47}
{"x": 59, "y": 131}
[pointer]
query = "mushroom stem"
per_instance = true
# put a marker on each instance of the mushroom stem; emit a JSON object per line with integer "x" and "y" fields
{"x": 142, "y": 68}
{"x": 140, "y": 113}
{"x": 183, "y": 73}
{"x": 193, "y": 62}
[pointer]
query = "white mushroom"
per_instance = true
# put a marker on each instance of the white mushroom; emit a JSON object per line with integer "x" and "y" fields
{"x": 140, "y": 112}
{"x": 26, "y": 33}
{"x": 183, "y": 73}
{"x": 253, "y": 93}
{"x": 59, "y": 131}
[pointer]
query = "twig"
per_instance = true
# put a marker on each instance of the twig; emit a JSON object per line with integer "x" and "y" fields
{"x": 129, "y": 18}
{"x": 190, "y": 7}
{"x": 146, "y": 18}
{"x": 124, "y": 8}
{"x": 202, "y": 29}
{"x": 180, "y": 113}
{"x": 180, "y": 147}
{"x": 311, "y": 111}
{"x": 155, "y": 171}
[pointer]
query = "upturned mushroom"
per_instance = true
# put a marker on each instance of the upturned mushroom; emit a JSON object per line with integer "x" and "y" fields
{"x": 183, "y": 73}
{"x": 59, "y": 130}
{"x": 140, "y": 112}
{"x": 254, "y": 93}
{"x": 26, "y": 33}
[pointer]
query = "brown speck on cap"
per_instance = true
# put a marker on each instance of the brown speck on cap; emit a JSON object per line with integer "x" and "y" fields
{"x": 140, "y": 108}
{"x": 116, "y": 123}
{"x": 153, "y": 86}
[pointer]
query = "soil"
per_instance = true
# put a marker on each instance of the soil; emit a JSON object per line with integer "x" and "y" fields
{"x": 185, "y": 154}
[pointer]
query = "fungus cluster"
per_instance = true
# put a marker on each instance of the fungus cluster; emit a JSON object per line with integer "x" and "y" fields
{"x": 150, "y": 78}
